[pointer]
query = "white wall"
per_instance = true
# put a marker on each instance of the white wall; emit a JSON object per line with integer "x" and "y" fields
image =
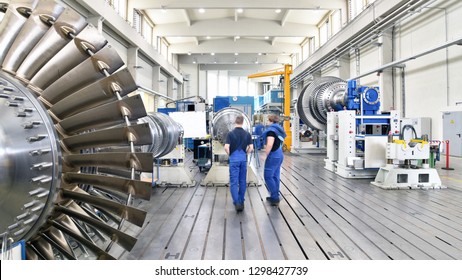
{"x": 191, "y": 87}
{"x": 368, "y": 60}
{"x": 203, "y": 84}
{"x": 432, "y": 82}
{"x": 197, "y": 84}
{"x": 144, "y": 74}
{"x": 119, "y": 47}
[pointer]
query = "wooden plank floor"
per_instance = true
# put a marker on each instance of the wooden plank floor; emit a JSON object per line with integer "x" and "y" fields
{"x": 321, "y": 216}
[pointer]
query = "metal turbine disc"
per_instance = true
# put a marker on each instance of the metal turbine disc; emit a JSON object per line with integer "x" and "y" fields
{"x": 165, "y": 134}
{"x": 224, "y": 121}
{"x": 65, "y": 117}
{"x": 30, "y": 166}
{"x": 313, "y": 100}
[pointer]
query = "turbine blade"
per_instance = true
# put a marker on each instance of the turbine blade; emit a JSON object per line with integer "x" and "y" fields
{"x": 57, "y": 240}
{"x": 98, "y": 93}
{"x": 139, "y": 134}
{"x": 90, "y": 210}
{"x": 131, "y": 214}
{"x": 124, "y": 240}
{"x": 102, "y": 255}
{"x": 94, "y": 68}
{"x": 32, "y": 254}
{"x": 140, "y": 161}
{"x": 32, "y": 31}
{"x": 105, "y": 115}
{"x": 138, "y": 189}
{"x": 68, "y": 24}
{"x": 118, "y": 172}
{"x": 15, "y": 17}
{"x": 44, "y": 248}
{"x": 67, "y": 58}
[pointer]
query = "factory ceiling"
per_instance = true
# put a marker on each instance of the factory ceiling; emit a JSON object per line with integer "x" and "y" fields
{"x": 224, "y": 32}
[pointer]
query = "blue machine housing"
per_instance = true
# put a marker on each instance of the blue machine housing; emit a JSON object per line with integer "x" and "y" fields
{"x": 363, "y": 98}
{"x": 366, "y": 101}
{"x": 245, "y": 103}
{"x": 257, "y": 132}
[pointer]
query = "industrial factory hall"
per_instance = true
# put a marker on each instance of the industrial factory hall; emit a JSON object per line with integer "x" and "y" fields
{"x": 178, "y": 131}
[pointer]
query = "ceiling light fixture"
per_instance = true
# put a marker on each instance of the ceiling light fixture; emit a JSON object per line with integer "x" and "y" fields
{"x": 236, "y": 53}
{"x": 240, "y": 11}
{"x": 259, "y": 53}
{"x": 189, "y": 53}
{"x": 212, "y": 53}
{"x": 235, "y": 61}
{"x": 237, "y": 37}
{"x": 277, "y": 11}
{"x": 201, "y": 10}
{"x": 208, "y": 37}
{"x": 266, "y": 37}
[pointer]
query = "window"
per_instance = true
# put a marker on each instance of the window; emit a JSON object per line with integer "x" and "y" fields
{"x": 212, "y": 85}
{"x": 312, "y": 45}
{"x": 147, "y": 31}
{"x": 243, "y": 86}
{"x": 163, "y": 84}
{"x": 175, "y": 61}
{"x": 305, "y": 49}
{"x": 323, "y": 32}
{"x": 223, "y": 83}
{"x": 251, "y": 88}
{"x": 294, "y": 59}
{"x": 137, "y": 20}
{"x": 220, "y": 83}
{"x": 233, "y": 85}
{"x": 163, "y": 48}
{"x": 176, "y": 90}
{"x": 355, "y": 7}
{"x": 240, "y": 86}
{"x": 336, "y": 20}
{"x": 155, "y": 42}
{"x": 120, "y": 6}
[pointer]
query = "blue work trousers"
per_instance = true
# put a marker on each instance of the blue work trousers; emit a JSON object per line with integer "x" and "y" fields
{"x": 238, "y": 180}
{"x": 272, "y": 173}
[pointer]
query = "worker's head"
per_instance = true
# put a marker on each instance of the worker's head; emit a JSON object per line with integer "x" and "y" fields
{"x": 239, "y": 120}
{"x": 273, "y": 118}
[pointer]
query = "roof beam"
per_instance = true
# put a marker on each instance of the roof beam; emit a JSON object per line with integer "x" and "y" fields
{"x": 230, "y": 58}
{"x": 187, "y": 17}
{"x": 229, "y": 46}
{"x": 227, "y": 27}
{"x": 253, "y": 68}
{"x": 273, "y": 41}
{"x": 285, "y": 17}
{"x": 244, "y": 4}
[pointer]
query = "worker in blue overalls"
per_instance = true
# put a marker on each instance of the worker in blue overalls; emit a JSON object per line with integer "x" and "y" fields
{"x": 238, "y": 144}
{"x": 274, "y": 139}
